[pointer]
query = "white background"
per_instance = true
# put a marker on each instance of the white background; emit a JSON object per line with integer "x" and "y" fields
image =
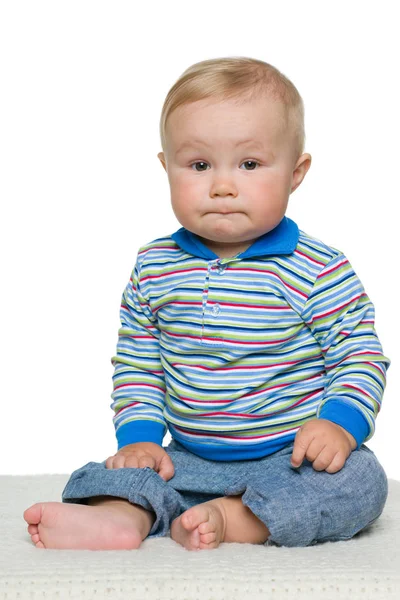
{"x": 81, "y": 187}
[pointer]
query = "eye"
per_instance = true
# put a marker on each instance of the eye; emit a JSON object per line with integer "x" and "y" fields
{"x": 199, "y": 162}
{"x": 249, "y": 163}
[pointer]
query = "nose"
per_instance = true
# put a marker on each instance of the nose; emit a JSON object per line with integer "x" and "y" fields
{"x": 223, "y": 185}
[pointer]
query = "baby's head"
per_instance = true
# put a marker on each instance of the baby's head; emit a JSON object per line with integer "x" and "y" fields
{"x": 232, "y": 134}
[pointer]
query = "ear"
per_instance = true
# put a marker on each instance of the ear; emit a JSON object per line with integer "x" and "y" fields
{"x": 161, "y": 156}
{"x": 300, "y": 170}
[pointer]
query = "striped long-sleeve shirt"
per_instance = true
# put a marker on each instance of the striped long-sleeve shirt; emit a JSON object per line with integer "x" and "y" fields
{"x": 234, "y": 355}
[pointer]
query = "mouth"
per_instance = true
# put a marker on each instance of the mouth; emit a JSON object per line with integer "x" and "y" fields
{"x": 223, "y": 212}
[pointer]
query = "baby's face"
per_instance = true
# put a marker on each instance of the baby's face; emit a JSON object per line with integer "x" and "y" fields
{"x": 231, "y": 170}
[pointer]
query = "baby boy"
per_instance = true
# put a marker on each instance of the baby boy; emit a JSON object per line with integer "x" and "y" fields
{"x": 250, "y": 341}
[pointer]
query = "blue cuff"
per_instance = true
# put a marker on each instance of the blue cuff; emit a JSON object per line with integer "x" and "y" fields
{"x": 347, "y": 416}
{"x": 140, "y": 431}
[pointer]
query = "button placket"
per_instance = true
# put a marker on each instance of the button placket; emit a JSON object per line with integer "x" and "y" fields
{"x": 205, "y": 291}
{"x": 219, "y": 269}
{"x": 211, "y": 307}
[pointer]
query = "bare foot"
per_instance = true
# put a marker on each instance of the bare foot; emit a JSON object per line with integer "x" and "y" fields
{"x": 201, "y": 527}
{"x": 113, "y": 526}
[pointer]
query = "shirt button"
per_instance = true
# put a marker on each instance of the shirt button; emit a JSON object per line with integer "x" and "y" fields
{"x": 221, "y": 269}
{"x": 216, "y": 309}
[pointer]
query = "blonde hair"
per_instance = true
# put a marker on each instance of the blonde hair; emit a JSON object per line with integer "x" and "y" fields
{"x": 236, "y": 77}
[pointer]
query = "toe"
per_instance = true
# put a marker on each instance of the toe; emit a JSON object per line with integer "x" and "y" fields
{"x": 210, "y": 546}
{"x": 32, "y": 514}
{"x": 206, "y": 527}
{"x": 195, "y": 540}
{"x": 208, "y": 538}
{"x": 187, "y": 520}
{"x": 33, "y": 529}
{"x": 194, "y": 516}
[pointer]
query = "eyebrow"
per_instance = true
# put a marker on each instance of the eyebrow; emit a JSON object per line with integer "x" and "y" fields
{"x": 202, "y": 143}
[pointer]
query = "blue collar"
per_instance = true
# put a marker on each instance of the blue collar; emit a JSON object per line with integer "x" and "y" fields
{"x": 281, "y": 240}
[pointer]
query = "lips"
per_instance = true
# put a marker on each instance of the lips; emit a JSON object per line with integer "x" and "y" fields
{"x": 223, "y": 212}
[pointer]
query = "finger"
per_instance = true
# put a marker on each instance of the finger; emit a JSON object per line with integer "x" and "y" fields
{"x": 337, "y": 462}
{"x": 109, "y": 462}
{"x": 314, "y": 449}
{"x": 324, "y": 458}
{"x": 119, "y": 461}
{"x": 301, "y": 443}
{"x": 146, "y": 461}
{"x": 167, "y": 469}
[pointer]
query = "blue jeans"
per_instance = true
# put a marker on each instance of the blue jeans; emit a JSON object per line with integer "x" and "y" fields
{"x": 300, "y": 507}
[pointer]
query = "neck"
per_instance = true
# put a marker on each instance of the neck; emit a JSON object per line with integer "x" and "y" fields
{"x": 227, "y": 250}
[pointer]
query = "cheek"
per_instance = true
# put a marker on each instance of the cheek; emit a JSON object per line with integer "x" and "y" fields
{"x": 182, "y": 187}
{"x": 180, "y": 201}
{"x": 186, "y": 194}
{"x": 271, "y": 195}
{"x": 276, "y": 187}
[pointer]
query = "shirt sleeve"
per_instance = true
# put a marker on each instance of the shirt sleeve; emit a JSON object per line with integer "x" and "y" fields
{"x": 342, "y": 319}
{"x": 138, "y": 379}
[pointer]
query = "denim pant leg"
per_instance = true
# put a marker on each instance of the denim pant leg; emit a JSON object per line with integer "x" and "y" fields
{"x": 142, "y": 486}
{"x": 302, "y": 506}
{"x": 193, "y": 483}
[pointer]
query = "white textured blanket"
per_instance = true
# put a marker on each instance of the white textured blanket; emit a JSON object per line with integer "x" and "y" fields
{"x": 365, "y": 567}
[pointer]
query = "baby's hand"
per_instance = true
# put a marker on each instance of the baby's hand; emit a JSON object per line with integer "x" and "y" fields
{"x": 324, "y": 442}
{"x": 143, "y": 454}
